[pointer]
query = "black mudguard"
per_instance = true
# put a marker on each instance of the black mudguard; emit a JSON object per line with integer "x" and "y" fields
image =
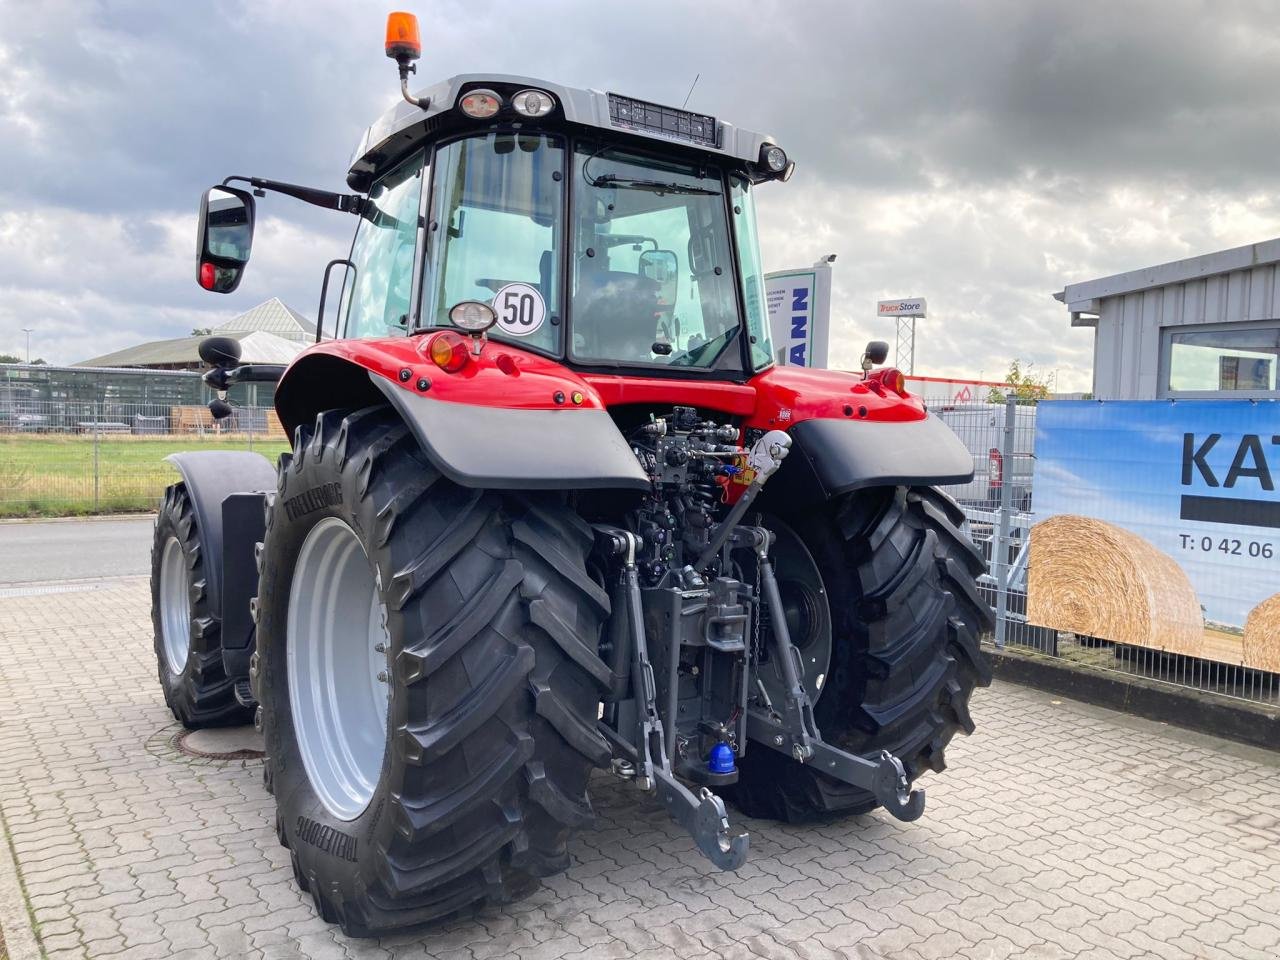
{"x": 832, "y": 457}
{"x": 211, "y": 476}
{"x": 510, "y": 449}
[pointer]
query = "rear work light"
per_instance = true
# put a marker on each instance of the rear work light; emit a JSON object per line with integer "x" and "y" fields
{"x": 449, "y": 351}
{"x": 480, "y": 104}
{"x": 532, "y": 103}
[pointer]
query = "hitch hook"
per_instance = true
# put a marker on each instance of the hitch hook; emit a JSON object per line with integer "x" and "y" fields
{"x": 892, "y": 788}
{"x": 706, "y": 821}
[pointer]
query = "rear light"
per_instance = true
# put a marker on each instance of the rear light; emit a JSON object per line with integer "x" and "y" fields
{"x": 995, "y": 468}
{"x": 893, "y": 378}
{"x": 449, "y": 352}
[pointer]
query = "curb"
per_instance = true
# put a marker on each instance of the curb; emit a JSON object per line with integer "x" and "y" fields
{"x": 1256, "y": 725}
{"x": 15, "y": 913}
{"x": 5, "y": 521}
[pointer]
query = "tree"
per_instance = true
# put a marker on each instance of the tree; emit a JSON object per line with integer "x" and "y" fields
{"x": 201, "y": 331}
{"x": 1024, "y": 383}
{"x": 10, "y": 358}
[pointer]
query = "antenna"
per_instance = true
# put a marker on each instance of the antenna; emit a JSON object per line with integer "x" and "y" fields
{"x": 690, "y": 93}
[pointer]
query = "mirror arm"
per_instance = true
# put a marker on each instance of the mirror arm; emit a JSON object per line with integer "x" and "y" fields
{"x": 345, "y": 202}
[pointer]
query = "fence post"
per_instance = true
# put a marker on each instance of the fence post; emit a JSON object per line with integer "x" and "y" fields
{"x": 1005, "y": 523}
{"x": 95, "y": 456}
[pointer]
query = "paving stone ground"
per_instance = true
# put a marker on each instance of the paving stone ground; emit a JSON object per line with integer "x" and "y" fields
{"x": 1060, "y": 831}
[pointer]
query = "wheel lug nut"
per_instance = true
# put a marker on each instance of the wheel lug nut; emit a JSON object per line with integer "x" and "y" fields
{"x": 382, "y": 676}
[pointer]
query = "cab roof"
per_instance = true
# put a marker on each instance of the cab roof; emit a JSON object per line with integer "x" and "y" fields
{"x": 405, "y": 125}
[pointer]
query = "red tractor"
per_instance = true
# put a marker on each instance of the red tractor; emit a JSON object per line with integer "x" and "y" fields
{"x": 551, "y": 507}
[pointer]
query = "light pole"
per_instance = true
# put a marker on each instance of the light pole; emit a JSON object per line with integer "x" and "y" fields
{"x": 27, "y": 331}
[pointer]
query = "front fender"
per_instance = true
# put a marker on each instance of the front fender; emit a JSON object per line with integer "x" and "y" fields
{"x": 507, "y": 448}
{"x": 839, "y": 456}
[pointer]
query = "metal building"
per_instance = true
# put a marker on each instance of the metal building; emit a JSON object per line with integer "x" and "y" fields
{"x": 1208, "y": 326}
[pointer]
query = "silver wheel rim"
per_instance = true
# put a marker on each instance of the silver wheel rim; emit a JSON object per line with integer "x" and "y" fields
{"x": 337, "y": 668}
{"x": 175, "y": 606}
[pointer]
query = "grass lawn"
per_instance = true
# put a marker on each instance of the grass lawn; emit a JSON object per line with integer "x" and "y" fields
{"x": 54, "y": 476}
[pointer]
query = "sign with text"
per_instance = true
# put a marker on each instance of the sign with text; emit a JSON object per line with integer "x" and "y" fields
{"x": 1158, "y": 524}
{"x": 904, "y": 307}
{"x": 799, "y": 303}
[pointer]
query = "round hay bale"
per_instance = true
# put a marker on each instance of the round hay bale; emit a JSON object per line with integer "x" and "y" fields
{"x": 1092, "y": 577}
{"x": 1262, "y": 635}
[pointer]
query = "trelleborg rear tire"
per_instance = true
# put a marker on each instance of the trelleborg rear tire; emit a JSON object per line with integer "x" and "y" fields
{"x": 188, "y": 632}
{"x": 490, "y": 684}
{"x": 905, "y": 616}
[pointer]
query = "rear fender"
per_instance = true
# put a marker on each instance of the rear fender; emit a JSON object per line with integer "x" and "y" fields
{"x": 502, "y": 448}
{"x": 211, "y": 477}
{"x": 509, "y": 420}
{"x": 833, "y": 457}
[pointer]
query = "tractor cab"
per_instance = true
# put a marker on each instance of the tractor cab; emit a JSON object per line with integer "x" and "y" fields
{"x": 596, "y": 230}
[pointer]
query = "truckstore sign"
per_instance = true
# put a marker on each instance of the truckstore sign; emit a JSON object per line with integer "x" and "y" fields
{"x": 1158, "y": 525}
{"x": 905, "y": 307}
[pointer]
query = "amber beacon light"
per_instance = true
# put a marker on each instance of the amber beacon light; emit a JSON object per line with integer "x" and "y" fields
{"x": 403, "y": 42}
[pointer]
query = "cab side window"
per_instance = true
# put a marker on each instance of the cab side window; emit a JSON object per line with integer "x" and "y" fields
{"x": 378, "y": 298}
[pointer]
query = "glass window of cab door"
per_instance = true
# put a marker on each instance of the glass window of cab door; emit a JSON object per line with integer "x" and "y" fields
{"x": 653, "y": 271}
{"x": 494, "y": 234}
{"x": 378, "y": 299}
{"x": 754, "y": 302}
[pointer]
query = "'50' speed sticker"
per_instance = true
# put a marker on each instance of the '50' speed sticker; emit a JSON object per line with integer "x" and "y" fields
{"x": 520, "y": 309}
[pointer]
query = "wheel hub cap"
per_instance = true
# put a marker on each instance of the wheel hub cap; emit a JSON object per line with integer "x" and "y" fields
{"x": 175, "y": 606}
{"x": 338, "y": 672}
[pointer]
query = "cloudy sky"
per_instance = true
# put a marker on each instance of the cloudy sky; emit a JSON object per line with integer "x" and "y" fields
{"x": 980, "y": 154}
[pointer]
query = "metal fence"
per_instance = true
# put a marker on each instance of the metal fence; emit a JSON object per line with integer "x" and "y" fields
{"x": 1000, "y": 506}
{"x": 73, "y": 456}
{"x": 63, "y": 457}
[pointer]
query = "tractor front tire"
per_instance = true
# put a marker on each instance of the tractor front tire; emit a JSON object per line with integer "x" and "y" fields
{"x": 905, "y": 616}
{"x": 475, "y": 627}
{"x": 188, "y": 632}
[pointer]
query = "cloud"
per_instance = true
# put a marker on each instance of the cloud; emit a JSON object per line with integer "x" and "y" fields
{"x": 980, "y": 154}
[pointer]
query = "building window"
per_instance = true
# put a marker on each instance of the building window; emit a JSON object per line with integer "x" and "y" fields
{"x": 1237, "y": 359}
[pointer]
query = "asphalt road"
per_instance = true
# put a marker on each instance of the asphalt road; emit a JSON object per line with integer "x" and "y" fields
{"x": 74, "y": 549}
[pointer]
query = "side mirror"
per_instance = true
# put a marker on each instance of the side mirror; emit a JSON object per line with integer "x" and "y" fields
{"x": 662, "y": 267}
{"x": 877, "y": 353}
{"x": 219, "y": 351}
{"x": 224, "y": 238}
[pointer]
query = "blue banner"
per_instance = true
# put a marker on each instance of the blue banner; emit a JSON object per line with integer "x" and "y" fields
{"x": 1196, "y": 483}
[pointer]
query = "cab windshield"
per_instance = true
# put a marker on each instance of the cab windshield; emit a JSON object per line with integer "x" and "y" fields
{"x": 652, "y": 263}
{"x": 647, "y": 248}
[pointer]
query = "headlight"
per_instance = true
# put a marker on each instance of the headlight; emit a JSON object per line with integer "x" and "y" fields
{"x": 472, "y": 316}
{"x": 773, "y": 157}
{"x": 532, "y": 103}
{"x": 480, "y": 104}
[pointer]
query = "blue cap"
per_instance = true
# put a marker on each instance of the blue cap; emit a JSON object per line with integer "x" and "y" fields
{"x": 721, "y": 759}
